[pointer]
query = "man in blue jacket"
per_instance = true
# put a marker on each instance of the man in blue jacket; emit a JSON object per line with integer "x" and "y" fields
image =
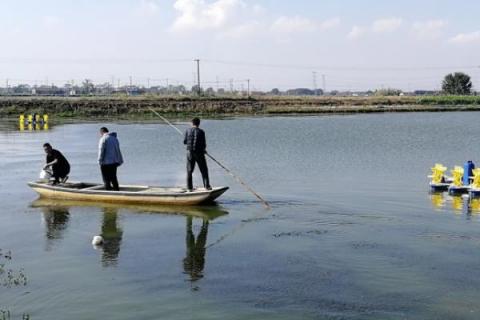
{"x": 109, "y": 158}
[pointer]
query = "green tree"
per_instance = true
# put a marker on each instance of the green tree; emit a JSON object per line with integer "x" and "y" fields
{"x": 457, "y": 83}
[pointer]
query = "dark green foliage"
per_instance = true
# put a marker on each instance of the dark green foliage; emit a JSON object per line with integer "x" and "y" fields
{"x": 457, "y": 83}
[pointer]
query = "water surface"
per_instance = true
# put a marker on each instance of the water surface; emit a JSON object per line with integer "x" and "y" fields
{"x": 353, "y": 234}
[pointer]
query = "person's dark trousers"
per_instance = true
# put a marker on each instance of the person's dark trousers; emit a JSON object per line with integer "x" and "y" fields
{"x": 59, "y": 174}
{"x": 198, "y": 158}
{"x": 109, "y": 175}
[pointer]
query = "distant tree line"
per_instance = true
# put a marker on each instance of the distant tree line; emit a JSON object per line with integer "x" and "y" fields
{"x": 457, "y": 83}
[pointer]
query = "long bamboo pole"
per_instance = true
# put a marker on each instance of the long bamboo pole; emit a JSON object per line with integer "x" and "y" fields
{"x": 230, "y": 172}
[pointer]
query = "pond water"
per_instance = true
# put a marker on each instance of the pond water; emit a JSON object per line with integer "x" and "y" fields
{"x": 353, "y": 232}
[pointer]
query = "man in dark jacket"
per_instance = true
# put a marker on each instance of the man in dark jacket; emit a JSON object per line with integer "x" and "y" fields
{"x": 109, "y": 158}
{"x": 58, "y": 163}
{"x": 196, "y": 149}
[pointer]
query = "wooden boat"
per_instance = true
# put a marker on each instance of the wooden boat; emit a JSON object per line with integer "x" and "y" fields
{"x": 209, "y": 212}
{"x": 133, "y": 194}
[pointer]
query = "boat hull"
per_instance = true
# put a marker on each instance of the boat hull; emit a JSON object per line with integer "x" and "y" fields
{"x": 146, "y": 195}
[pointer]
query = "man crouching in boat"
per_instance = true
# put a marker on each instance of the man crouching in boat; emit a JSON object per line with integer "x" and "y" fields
{"x": 196, "y": 149}
{"x": 109, "y": 158}
{"x": 57, "y": 162}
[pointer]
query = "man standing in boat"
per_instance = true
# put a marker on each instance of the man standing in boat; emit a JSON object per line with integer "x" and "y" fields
{"x": 196, "y": 149}
{"x": 57, "y": 162}
{"x": 109, "y": 158}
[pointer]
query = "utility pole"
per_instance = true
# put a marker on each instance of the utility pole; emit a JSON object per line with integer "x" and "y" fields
{"x": 231, "y": 86}
{"x": 7, "y": 86}
{"x": 248, "y": 88}
{"x": 198, "y": 76}
{"x": 324, "y": 83}
{"x": 314, "y": 73}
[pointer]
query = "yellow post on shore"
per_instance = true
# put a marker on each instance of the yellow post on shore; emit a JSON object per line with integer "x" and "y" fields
{"x": 45, "y": 118}
{"x": 30, "y": 118}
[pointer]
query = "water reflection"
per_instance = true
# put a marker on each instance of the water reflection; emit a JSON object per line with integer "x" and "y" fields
{"x": 210, "y": 212}
{"x": 56, "y": 222}
{"x": 438, "y": 200}
{"x": 112, "y": 237}
{"x": 56, "y": 215}
{"x": 474, "y": 207}
{"x": 12, "y": 126}
{"x": 458, "y": 204}
{"x": 194, "y": 261}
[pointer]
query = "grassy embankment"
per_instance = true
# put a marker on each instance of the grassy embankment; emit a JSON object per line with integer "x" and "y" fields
{"x": 131, "y": 107}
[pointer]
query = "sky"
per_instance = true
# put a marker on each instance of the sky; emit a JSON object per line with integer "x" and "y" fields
{"x": 336, "y": 44}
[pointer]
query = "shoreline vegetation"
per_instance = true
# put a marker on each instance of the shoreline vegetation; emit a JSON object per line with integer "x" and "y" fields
{"x": 139, "y": 106}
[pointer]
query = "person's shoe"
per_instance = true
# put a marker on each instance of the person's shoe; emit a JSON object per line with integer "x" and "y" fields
{"x": 189, "y": 190}
{"x": 208, "y": 188}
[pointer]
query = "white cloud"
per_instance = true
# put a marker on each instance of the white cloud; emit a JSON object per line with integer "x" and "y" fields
{"x": 298, "y": 24}
{"x": 356, "y": 32}
{"x": 293, "y": 24}
{"x": 330, "y": 23}
{"x": 243, "y": 30}
{"x": 431, "y": 29}
{"x": 147, "y": 8}
{"x": 200, "y": 15}
{"x": 386, "y": 25}
{"x": 378, "y": 26}
{"x": 466, "y": 38}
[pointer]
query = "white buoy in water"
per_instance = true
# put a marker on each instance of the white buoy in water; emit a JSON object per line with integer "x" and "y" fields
{"x": 97, "y": 240}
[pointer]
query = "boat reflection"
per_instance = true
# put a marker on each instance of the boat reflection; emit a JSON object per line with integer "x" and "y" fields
{"x": 209, "y": 212}
{"x": 56, "y": 214}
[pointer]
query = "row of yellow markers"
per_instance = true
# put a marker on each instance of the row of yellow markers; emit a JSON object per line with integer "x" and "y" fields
{"x": 33, "y": 122}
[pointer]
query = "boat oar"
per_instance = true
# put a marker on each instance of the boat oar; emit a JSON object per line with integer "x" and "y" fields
{"x": 230, "y": 172}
